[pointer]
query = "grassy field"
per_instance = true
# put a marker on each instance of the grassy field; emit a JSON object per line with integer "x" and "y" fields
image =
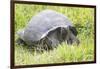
{"x": 83, "y": 20}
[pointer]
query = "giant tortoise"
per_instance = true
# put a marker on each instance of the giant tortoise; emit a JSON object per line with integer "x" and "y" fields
{"x": 47, "y": 29}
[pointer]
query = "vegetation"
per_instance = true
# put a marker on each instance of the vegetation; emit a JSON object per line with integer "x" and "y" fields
{"x": 82, "y": 18}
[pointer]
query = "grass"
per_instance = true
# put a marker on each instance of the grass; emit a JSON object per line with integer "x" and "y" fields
{"x": 82, "y": 18}
{"x": 63, "y": 53}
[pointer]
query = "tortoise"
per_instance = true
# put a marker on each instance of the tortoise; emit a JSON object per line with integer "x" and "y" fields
{"x": 47, "y": 29}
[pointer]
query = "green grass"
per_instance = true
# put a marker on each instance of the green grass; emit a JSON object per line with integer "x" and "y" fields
{"x": 82, "y": 18}
{"x": 63, "y": 53}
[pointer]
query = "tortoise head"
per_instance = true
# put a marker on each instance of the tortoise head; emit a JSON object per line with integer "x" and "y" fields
{"x": 73, "y": 30}
{"x": 69, "y": 34}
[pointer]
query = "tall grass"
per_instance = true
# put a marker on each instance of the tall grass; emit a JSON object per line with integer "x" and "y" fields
{"x": 83, "y": 20}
